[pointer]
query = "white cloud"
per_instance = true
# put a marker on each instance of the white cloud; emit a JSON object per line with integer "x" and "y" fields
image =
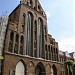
{"x": 48, "y": 14}
{"x": 67, "y": 45}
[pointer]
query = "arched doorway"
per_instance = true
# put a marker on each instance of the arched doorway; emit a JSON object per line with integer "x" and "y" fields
{"x": 20, "y": 69}
{"x": 30, "y": 68}
{"x": 48, "y": 69}
{"x": 40, "y": 69}
{"x": 53, "y": 70}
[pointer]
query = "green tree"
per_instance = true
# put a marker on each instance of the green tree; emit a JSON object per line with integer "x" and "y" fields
{"x": 73, "y": 68}
{"x": 69, "y": 64}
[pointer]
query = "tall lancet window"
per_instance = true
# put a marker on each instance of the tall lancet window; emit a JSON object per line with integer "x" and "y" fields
{"x": 29, "y": 31}
{"x": 11, "y": 42}
{"x": 16, "y": 43}
{"x": 21, "y": 44}
{"x": 39, "y": 37}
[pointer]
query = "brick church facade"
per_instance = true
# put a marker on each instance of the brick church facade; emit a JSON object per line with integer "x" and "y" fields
{"x": 28, "y": 48}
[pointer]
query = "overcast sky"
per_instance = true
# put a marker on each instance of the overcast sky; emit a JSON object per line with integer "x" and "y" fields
{"x": 60, "y": 19}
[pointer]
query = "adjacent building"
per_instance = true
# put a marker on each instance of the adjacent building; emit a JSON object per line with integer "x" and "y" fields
{"x": 3, "y": 26}
{"x": 63, "y": 56}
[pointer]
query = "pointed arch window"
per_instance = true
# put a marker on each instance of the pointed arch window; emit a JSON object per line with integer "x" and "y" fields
{"x": 29, "y": 34}
{"x": 49, "y": 48}
{"x": 20, "y": 69}
{"x": 40, "y": 36}
{"x": 21, "y": 45}
{"x": 54, "y": 70}
{"x": 11, "y": 42}
{"x": 40, "y": 69}
{"x": 16, "y": 43}
{"x": 35, "y": 29}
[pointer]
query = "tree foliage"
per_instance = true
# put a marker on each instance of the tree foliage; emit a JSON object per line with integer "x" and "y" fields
{"x": 70, "y": 66}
